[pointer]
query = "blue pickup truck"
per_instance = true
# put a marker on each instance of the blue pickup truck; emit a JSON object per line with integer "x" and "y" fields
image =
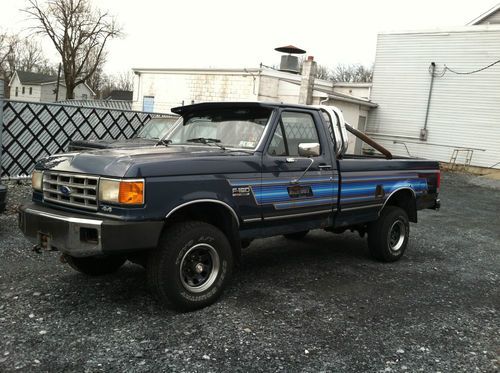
{"x": 229, "y": 173}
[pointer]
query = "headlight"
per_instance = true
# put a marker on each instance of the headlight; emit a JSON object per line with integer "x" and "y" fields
{"x": 128, "y": 192}
{"x": 37, "y": 180}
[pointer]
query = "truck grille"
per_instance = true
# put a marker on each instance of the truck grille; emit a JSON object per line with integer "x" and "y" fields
{"x": 73, "y": 190}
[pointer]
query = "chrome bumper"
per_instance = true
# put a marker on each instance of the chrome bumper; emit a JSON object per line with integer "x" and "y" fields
{"x": 80, "y": 236}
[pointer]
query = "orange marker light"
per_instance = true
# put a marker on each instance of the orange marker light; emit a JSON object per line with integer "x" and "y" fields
{"x": 131, "y": 192}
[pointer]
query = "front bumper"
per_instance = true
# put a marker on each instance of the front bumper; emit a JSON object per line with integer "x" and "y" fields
{"x": 81, "y": 236}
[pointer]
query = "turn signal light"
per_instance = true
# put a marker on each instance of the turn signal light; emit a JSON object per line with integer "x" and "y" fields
{"x": 131, "y": 192}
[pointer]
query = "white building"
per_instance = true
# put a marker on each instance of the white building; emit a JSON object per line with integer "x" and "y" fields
{"x": 158, "y": 90}
{"x": 362, "y": 90}
{"x": 34, "y": 87}
{"x": 456, "y": 106}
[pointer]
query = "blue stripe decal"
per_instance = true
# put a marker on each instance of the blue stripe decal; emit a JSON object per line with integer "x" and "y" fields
{"x": 325, "y": 190}
{"x": 306, "y": 203}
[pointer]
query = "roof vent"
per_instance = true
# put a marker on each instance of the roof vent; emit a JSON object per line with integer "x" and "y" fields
{"x": 290, "y": 63}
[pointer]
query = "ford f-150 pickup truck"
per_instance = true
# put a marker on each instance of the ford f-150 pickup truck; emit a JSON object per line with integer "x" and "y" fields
{"x": 231, "y": 172}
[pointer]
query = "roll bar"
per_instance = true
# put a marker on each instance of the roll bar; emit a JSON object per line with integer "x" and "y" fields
{"x": 340, "y": 132}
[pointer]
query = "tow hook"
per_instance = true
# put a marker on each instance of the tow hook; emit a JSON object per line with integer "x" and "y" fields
{"x": 437, "y": 204}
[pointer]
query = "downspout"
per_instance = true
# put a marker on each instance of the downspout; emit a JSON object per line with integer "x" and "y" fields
{"x": 423, "y": 131}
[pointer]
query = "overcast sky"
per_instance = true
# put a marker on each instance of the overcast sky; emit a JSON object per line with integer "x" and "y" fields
{"x": 233, "y": 33}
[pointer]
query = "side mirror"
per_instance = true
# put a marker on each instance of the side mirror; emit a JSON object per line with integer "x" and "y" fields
{"x": 309, "y": 149}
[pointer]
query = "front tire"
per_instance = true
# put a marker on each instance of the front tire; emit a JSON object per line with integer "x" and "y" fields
{"x": 191, "y": 267}
{"x": 95, "y": 265}
{"x": 388, "y": 236}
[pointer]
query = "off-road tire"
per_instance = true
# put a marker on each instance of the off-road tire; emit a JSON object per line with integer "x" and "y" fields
{"x": 167, "y": 268}
{"x": 95, "y": 265}
{"x": 382, "y": 245}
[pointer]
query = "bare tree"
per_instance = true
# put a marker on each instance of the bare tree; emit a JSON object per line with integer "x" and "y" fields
{"x": 7, "y": 46}
{"x": 27, "y": 55}
{"x": 97, "y": 79}
{"x": 79, "y": 33}
{"x": 323, "y": 72}
{"x": 353, "y": 73}
{"x": 124, "y": 81}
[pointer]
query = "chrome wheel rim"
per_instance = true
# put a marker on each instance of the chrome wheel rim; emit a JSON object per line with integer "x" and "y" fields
{"x": 199, "y": 268}
{"x": 396, "y": 236}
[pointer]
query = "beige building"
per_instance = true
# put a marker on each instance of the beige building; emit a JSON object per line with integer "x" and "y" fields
{"x": 35, "y": 87}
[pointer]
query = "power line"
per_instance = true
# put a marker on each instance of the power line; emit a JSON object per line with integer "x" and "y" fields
{"x": 446, "y": 68}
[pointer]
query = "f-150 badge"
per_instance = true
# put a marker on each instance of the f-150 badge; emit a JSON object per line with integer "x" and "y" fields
{"x": 241, "y": 191}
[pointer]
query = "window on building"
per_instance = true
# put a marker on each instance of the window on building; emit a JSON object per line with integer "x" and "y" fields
{"x": 148, "y": 104}
{"x": 17, "y": 91}
{"x": 293, "y": 129}
{"x": 23, "y": 91}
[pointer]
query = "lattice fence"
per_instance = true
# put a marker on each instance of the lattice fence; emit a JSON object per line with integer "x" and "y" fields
{"x": 34, "y": 130}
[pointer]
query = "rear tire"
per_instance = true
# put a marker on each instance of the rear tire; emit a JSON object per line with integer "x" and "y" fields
{"x": 296, "y": 235}
{"x": 191, "y": 267}
{"x": 95, "y": 265}
{"x": 388, "y": 236}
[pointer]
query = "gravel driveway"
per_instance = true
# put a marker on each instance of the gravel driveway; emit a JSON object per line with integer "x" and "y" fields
{"x": 316, "y": 305}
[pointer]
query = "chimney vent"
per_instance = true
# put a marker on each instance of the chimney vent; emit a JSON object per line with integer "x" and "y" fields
{"x": 290, "y": 63}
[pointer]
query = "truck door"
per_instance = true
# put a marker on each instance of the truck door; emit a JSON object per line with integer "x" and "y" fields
{"x": 296, "y": 185}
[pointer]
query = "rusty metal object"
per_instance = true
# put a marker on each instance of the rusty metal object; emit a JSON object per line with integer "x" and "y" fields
{"x": 360, "y": 135}
{"x": 291, "y": 49}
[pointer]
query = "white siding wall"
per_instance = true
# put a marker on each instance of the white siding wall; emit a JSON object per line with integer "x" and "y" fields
{"x": 34, "y": 96}
{"x": 363, "y": 92}
{"x": 48, "y": 94}
{"x": 81, "y": 92}
{"x": 464, "y": 110}
{"x": 492, "y": 19}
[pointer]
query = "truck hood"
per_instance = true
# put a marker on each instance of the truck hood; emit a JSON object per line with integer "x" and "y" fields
{"x": 147, "y": 161}
{"x": 104, "y": 144}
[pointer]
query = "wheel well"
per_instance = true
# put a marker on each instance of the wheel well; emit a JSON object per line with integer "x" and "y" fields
{"x": 211, "y": 213}
{"x": 404, "y": 198}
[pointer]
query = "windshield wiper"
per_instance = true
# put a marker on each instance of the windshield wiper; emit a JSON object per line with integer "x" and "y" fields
{"x": 165, "y": 142}
{"x": 207, "y": 141}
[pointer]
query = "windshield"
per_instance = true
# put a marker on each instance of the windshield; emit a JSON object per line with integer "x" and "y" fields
{"x": 236, "y": 128}
{"x": 157, "y": 128}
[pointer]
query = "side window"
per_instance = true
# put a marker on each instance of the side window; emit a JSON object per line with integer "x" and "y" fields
{"x": 299, "y": 128}
{"x": 326, "y": 119}
{"x": 277, "y": 146}
{"x": 293, "y": 129}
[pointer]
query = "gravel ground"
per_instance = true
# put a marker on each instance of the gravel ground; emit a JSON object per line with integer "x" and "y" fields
{"x": 316, "y": 305}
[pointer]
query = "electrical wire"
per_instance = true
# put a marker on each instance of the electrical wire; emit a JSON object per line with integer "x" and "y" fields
{"x": 446, "y": 68}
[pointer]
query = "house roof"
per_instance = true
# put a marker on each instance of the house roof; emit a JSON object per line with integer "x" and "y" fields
{"x": 120, "y": 95}
{"x": 485, "y": 15}
{"x": 27, "y": 78}
{"x": 352, "y": 85}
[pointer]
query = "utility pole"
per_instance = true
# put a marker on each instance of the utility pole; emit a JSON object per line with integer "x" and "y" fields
{"x": 58, "y": 80}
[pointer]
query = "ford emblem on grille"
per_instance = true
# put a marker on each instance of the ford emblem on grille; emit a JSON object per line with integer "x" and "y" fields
{"x": 65, "y": 190}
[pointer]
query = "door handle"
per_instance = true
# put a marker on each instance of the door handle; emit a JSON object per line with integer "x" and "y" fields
{"x": 325, "y": 166}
